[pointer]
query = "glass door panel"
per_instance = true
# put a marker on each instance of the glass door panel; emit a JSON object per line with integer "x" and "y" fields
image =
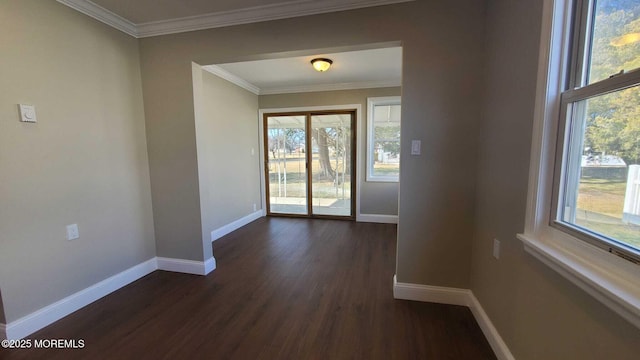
{"x": 286, "y": 164}
{"x": 331, "y": 150}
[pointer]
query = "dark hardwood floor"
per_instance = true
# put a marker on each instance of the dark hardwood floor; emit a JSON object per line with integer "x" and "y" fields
{"x": 283, "y": 289}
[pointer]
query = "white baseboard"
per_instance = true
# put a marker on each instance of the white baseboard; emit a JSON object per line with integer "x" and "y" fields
{"x": 224, "y": 230}
{"x": 490, "y": 332}
{"x": 187, "y": 266}
{"x": 375, "y": 218}
{"x": 209, "y": 265}
{"x": 37, "y": 320}
{"x": 49, "y": 314}
{"x": 454, "y": 296}
{"x": 435, "y": 294}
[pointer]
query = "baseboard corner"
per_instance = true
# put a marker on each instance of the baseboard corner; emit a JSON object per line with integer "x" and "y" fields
{"x": 455, "y": 296}
{"x": 377, "y": 218}
{"x": 187, "y": 266}
{"x": 428, "y": 293}
{"x": 209, "y": 265}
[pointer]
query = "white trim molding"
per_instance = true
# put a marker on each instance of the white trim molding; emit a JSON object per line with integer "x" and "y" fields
{"x": 615, "y": 286}
{"x": 187, "y": 266}
{"x": 372, "y": 102}
{"x": 103, "y": 15}
{"x": 232, "y": 78}
{"x": 490, "y": 332}
{"x": 232, "y": 226}
{"x": 357, "y": 107}
{"x": 49, "y": 314}
{"x": 35, "y": 321}
{"x": 455, "y": 296}
{"x": 427, "y": 293}
{"x": 604, "y": 276}
{"x": 377, "y": 218}
{"x": 209, "y": 265}
{"x": 282, "y": 10}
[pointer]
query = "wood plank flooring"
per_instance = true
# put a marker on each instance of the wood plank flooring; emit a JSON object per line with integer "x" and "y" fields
{"x": 283, "y": 289}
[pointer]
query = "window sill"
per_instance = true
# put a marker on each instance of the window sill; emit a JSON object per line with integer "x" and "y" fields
{"x": 382, "y": 180}
{"x": 611, "y": 280}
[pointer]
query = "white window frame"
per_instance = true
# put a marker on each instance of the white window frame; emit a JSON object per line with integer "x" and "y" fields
{"x": 609, "y": 278}
{"x": 571, "y": 129}
{"x": 372, "y": 102}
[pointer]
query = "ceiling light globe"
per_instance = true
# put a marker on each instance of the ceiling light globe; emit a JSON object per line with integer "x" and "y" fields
{"x": 321, "y": 64}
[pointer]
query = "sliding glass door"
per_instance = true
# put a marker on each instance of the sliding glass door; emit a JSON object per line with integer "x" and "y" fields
{"x": 331, "y": 164}
{"x": 308, "y": 164}
{"x": 285, "y": 140}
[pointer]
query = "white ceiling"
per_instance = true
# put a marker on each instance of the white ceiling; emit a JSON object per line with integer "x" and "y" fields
{"x": 350, "y": 70}
{"x": 143, "y": 18}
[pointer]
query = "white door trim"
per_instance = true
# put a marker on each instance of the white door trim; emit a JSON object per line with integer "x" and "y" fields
{"x": 357, "y": 107}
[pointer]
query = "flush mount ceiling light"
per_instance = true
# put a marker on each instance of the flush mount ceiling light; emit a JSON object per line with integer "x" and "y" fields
{"x": 321, "y": 64}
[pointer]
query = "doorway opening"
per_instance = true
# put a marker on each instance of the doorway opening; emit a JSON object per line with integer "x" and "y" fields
{"x": 309, "y": 163}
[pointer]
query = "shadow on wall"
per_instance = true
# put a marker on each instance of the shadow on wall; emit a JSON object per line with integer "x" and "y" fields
{"x": 2, "y": 318}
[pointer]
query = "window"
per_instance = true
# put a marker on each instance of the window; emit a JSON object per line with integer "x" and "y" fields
{"x": 596, "y": 191}
{"x": 554, "y": 183}
{"x": 383, "y": 139}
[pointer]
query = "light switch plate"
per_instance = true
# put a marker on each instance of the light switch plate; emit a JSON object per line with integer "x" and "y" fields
{"x": 27, "y": 113}
{"x": 415, "y": 147}
{"x": 72, "y": 232}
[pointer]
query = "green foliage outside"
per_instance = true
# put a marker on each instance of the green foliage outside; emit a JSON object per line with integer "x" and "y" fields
{"x": 613, "y": 120}
{"x": 389, "y": 138}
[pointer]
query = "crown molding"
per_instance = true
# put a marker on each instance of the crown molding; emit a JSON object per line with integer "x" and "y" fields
{"x": 217, "y": 70}
{"x": 254, "y": 14}
{"x": 223, "y": 18}
{"x": 330, "y": 87}
{"x": 103, "y": 15}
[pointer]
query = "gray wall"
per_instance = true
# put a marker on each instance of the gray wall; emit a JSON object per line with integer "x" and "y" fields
{"x": 3, "y": 319}
{"x": 539, "y": 314}
{"x": 442, "y": 47}
{"x": 226, "y": 131}
{"x": 375, "y": 197}
{"x": 84, "y": 162}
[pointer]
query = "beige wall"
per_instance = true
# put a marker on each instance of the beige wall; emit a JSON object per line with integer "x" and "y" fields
{"x": 442, "y": 46}
{"x": 539, "y": 314}
{"x": 84, "y": 162}
{"x": 375, "y": 197}
{"x": 226, "y": 133}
